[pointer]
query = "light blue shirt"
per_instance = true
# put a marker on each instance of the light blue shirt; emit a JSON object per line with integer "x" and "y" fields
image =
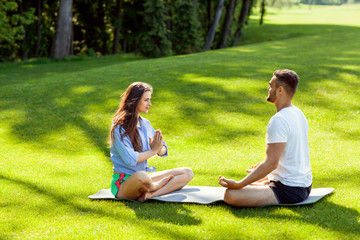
{"x": 122, "y": 153}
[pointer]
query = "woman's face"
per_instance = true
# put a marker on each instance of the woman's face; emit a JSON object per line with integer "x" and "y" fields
{"x": 144, "y": 103}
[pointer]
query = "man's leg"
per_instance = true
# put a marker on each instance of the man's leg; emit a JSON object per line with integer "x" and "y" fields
{"x": 250, "y": 196}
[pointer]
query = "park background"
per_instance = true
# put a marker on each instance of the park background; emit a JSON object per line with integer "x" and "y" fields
{"x": 211, "y": 106}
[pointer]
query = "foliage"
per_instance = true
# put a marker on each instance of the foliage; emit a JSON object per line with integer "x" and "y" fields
{"x": 186, "y": 36}
{"x": 153, "y": 40}
{"x": 94, "y": 22}
{"x": 12, "y": 22}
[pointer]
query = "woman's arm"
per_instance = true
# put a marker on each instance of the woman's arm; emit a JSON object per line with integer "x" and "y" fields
{"x": 156, "y": 148}
{"x": 157, "y": 136}
{"x": 146, "y": 155}
{"x": 162, "y": 151}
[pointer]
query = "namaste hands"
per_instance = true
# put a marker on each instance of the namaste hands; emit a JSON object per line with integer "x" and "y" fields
{"x": 156, "y": 143}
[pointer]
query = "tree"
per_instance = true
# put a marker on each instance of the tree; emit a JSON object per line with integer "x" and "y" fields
{"x": 152, "y": 40}
{"x": 63, "y": 36}
{"x": 117, "y": 26}
{"x": 38, "y": 28}
{"x": 12, "y": 31}
{"x": 212, "y": 30}
{"x": 227, "y": 24}
{"x": 262, "y": 11}
{"x": 243, "y": 15}
{"x": 186, "y": 32}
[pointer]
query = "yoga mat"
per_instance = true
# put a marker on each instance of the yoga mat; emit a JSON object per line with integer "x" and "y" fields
{"x": 206, "y": 195}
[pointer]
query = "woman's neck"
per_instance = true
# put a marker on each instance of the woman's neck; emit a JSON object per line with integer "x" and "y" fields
{"x": 138, "y": 119}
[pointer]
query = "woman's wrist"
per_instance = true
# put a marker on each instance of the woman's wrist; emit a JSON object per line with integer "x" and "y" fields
{"x": 153, "y": 152}
{"x": 162, "y": 151}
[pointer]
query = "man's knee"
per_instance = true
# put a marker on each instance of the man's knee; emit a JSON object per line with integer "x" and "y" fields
{"x": 249, "y": 197}
{"x": 231, "y": 198}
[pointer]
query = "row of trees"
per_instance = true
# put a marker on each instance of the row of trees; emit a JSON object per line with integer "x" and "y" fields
{"x": 153, "y": 28}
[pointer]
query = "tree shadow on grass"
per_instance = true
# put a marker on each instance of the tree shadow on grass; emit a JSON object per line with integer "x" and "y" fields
{"x": 331, "y": 61}
{"x": 168, "y": 213}
{"x": 15, "y": 73}
{"x": 272, "y": 32}
{"x": 49, "y": 105}
{"x": 163, "y": 212}
{"x": 325, "y": 214}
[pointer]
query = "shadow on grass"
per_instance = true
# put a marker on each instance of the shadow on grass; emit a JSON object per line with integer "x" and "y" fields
{"x": 324, "y": 213}
{"x": 164, "y": 212}
{"x": 15, "y": 73}
{"x": 256, "y": 33}
{"x": 179, "y": 214}
{"x": 48, "y": 105}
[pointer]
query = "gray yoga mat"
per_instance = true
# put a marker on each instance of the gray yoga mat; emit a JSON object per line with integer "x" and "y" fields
{"x": 206, "y": 195}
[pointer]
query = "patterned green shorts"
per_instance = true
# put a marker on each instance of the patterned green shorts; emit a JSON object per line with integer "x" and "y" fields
{"x": 116, "y": 182}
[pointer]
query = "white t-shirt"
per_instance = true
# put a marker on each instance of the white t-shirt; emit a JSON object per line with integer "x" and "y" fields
{"x": 290, "y": 125}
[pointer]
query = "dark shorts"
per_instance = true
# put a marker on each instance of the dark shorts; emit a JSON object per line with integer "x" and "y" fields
{"x": 116, "y": 181}
{"x": 289, "y": 195}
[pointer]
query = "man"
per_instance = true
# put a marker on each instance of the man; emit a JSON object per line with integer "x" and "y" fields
{"x": 285, "y": 175}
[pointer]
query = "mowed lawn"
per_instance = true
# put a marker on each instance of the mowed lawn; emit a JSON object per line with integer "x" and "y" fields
{"x": 212, "y": 110}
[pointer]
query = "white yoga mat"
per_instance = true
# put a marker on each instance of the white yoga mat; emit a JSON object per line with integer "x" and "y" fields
{"x": 206, "y": 195}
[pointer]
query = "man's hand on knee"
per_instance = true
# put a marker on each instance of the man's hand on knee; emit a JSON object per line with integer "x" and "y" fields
{"x": 228, "y": 183}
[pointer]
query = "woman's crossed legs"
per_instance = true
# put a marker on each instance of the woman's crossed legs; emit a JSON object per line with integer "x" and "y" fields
{"x": 142, "y": 185}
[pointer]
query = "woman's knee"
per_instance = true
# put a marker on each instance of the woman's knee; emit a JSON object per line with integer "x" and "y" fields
{"x": 143, "y": 178}
{"x": 188, "y": 172}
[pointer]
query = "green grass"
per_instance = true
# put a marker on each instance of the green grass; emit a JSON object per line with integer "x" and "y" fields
{"x": 212, "y": 109}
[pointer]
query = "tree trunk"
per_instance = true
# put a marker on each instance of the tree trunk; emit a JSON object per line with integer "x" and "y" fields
{"x": 243, "y": 14}
{"x": 23, "y": 49}
{"x": 38, "y": 29}
{"x": 117, "y": 24}
{"x": 124, "y": 46}
{"x": 227, "y": 23}
{"x": 212, "y": 30}
{"x": 63, "y": 30}
{"x": 209, "y": 8}
{"x": 102, "y": 27}
{"x": 168, "y": 20}
{"x": 249, "y": 12}
{"x": 262, "y": 12}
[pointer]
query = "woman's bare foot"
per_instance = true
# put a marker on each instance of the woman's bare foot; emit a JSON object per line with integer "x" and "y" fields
{"x": 156, "y": 186}
{"x": 159, "y": 184}
{"x": 144, "y": 196}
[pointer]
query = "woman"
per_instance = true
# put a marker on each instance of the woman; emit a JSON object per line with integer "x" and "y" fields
{"x": 133, "y": 140}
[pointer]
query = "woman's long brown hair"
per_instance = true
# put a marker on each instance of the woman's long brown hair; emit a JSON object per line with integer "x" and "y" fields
{"x": 126, "y": 115}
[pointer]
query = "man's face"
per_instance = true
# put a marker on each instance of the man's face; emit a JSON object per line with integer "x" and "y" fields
{"x": 272, "y": 90}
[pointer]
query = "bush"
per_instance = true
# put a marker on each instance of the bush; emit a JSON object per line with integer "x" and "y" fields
{"x": 186, "y": 36}
{"x": 152, "y": 39}
{"x": 12, "y": 28}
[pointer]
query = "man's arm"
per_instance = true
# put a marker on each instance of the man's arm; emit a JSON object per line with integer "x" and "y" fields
{"x": 273, "y": 154}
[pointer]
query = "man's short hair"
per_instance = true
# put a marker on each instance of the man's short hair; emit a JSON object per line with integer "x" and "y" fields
{"x": 288, "y": 79}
